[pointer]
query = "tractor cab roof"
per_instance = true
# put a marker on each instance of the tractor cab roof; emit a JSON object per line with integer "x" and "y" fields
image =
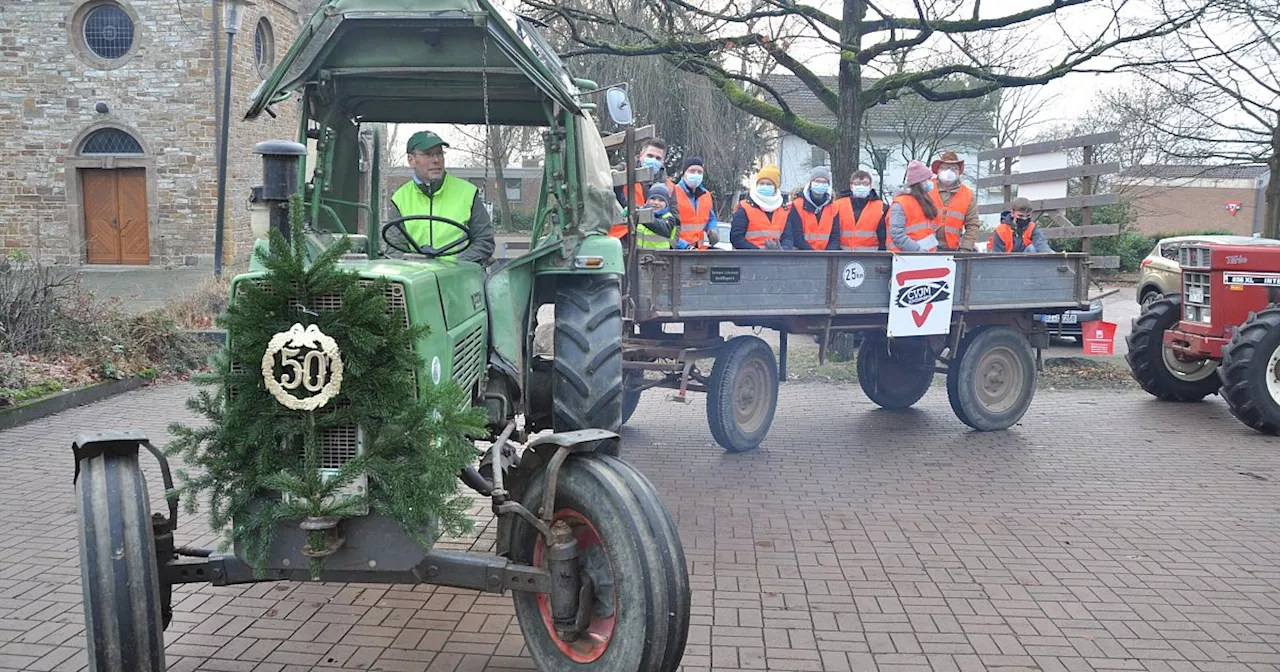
{"x": 422, "y": 61}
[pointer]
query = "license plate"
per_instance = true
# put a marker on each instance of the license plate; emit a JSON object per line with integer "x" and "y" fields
{"x": 1050, "y": 319}
{"x": 1070, "y": 318}
{"x": 1195, "y": 295}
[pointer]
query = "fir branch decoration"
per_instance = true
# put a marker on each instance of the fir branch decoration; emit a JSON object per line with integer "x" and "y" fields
{"x": 253, "y": 447}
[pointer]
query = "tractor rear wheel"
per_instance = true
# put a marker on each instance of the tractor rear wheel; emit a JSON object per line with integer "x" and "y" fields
{"x": 119, "y": 573}
{"x": 1155, "y": 366}
{"x": 627, "y": 547}
{"x": 897, "y": 379}
{"x": 993, "y": 379}
{"x": 742, "y": 396}
{"x": 586, "y": 384}
{"x": 1250, "y": 372}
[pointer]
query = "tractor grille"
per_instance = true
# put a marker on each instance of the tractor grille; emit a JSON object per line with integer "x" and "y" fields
{"x": 1190, "y": 256}
{"x": 1196, "y": 288}
{"x": 340, "y": 445}
{"x": 468, "y": 359}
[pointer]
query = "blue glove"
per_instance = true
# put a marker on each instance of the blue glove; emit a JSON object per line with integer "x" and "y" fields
{"x": 682, "y": 244}
{"x": 1030, "y": 248}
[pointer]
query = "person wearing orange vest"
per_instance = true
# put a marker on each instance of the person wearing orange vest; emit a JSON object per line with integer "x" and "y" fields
{"x": 860, "y": 216}
{"x": 693, "y": 204}
{"x": 810, "y": 224}
{"x": 652, "y": 155}
{"x": 1017, "y": 231}
{"x": 913, "y": 216}
{"x": 957, "y": 204}
{"x": 761, "y": 218}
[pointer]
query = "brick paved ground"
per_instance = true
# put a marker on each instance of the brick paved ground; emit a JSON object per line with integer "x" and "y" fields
{"x": 1106, "y": 532}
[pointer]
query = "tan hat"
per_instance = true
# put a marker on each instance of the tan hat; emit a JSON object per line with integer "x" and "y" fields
{"x": 948, "y": 157}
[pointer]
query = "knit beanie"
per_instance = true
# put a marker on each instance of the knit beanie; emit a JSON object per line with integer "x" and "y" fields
{"x": 770, "y": 172}
{"x": 692, "y": 161}
{"x": 660, "y": 190}
{"x": 820, "y": 172}
{"x": 917, "y": 172}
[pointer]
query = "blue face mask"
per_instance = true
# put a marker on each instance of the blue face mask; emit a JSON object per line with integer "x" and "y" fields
{"x": 651, "y": 163}
{"x": 694, "y": 180}
{"x": 766, "y": 191}
{"x": 927, "y": 186}
{"x": 819, "y": 188}
{"x": 861, "y": 191}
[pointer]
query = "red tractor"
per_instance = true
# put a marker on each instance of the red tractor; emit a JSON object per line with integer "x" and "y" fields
{"x": 1221, "y": 335}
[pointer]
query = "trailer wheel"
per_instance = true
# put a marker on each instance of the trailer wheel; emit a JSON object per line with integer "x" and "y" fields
{"x": 1156, "y": 368}
{"x": 898, "y": 379}
{"x": 992, "y": 383}
{"x": 119, "y": 573}
{"x": 621, "y": 548}
{"x": 743, "y": 394}
{"x": 586, "y": 384}
{"x": 1250, "y": 372}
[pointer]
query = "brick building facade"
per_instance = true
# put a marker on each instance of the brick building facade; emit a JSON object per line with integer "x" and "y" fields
{"x": 111, "y": 149}
{"x": 1178, "y": 199}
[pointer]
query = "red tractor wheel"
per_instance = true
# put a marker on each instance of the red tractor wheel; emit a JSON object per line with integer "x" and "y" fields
{"x": 1156, "y": 368}
{"x": 1250, "y": 372}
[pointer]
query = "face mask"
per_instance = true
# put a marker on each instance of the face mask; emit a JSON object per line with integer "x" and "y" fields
{"x": 927, "y": 186}
{"x": 1022, "y": 221}
{"x": 819, "y": 188}
{"x": 694, "y": 180}
{"x": 651, "y": 163}
{"x": 949, "y": 176}
{"x": 861, "y": 190}
{"x": 766, "y": 191}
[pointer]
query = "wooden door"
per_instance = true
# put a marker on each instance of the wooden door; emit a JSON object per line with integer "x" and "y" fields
{"x": 115, "y": 216}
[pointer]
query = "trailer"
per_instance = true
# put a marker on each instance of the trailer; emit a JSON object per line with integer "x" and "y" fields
{"x": 988, "y": 349}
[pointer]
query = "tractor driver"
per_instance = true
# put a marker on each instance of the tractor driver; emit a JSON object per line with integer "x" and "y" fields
{"x": 433, "y": 191}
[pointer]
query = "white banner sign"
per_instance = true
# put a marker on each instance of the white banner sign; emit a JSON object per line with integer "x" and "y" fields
{"x": 920, "y": 294}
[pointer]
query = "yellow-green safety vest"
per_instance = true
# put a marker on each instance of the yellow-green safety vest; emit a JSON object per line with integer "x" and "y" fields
{"x": 452, "y": 201}
{"x": 650, "y": 240}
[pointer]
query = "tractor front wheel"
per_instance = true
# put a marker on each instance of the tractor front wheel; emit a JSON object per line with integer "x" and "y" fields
{"x": 1250, "y": 372}
{"x": 628, "y": 553}
{"x": 895, "y": 379}
{"x": 1156, "y": 367}
{"x": 586, "y": 384}
{"x": 119, "y": 573}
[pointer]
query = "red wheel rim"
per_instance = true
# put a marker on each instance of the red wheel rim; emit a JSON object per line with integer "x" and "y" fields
{"x": 595, "y": 640}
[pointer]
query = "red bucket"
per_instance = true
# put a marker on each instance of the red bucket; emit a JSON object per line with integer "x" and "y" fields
{"x": 1099, "y": 337}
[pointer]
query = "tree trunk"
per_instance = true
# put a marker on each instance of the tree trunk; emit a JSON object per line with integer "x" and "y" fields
{"x": 849, "y": 116}
{"x": 498, "y": 156}
{"x": 1271, "y": 220}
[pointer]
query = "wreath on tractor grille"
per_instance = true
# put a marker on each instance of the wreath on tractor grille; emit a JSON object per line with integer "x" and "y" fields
{"x": 299, "y": 369}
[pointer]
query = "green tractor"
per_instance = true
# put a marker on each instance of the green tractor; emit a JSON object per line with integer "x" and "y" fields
{"x": 583, "y": 541}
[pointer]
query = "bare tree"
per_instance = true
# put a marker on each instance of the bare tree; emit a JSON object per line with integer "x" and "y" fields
{"x": 711, "y": 39}
{"x": 497, "y": 147}
{"x": 1222, "y": 75}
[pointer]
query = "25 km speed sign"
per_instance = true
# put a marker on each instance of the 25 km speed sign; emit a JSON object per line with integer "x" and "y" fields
{"x": 853, "y": 275}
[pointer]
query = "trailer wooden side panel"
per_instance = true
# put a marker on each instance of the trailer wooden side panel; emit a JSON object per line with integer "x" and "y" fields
{"x": 677, "y": 285}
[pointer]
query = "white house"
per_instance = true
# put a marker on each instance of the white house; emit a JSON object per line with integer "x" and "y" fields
{"x": 895, "y": 133}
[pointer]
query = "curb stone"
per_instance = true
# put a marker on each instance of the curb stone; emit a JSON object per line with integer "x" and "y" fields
{"x": 61, "y": 401}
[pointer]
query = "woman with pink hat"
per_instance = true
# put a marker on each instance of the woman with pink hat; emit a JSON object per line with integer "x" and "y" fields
{"x": 913, "y": 216}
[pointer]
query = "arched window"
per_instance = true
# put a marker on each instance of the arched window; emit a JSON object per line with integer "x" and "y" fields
{"x": 110, "y": 141}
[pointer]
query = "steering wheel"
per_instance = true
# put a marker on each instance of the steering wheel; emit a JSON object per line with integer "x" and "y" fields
{"x": 425, "y": 250}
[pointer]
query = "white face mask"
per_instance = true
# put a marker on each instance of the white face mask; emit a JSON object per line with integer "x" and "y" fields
{"x": 948, "y": 176}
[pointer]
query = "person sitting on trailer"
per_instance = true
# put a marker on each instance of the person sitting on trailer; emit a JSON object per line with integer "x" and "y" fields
{"x": 699, "y": 227}
{"x": 913, "y": 216}
{"x": 1017, "y": 231}
{"x": 433, "y": 191}
{"x": 663, "y": 232}
{"x": 859, "y": 222}
{"x": 761, "y": 217}
{"x": 810, "y": 224}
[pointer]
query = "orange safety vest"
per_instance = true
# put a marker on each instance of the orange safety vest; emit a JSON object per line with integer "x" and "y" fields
{"x": 951, "y": 215}
{"x": 919, "y": 227}
{"x": 694, "y": 215}
{"x": 762, "y": 226}
{"x": 816, "y": 226}
{"x": 1005, "y": 232}
{"x": 860, "y": 232}
{"x": 638, "y": 196}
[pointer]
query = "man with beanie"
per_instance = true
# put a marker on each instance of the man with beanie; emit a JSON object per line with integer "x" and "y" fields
{"x": 695, "y": 207}
{"x": 957, "y": 205}
{"x": 433, "y": 191}
{"x": 860, "y": 216}
{"x": 810, "y": 222}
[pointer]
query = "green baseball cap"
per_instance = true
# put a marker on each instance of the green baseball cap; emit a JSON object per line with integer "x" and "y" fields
{"x": 424, "y": 140}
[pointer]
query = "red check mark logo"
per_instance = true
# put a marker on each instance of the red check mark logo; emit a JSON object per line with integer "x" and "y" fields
{"x": 920, "y": 317}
